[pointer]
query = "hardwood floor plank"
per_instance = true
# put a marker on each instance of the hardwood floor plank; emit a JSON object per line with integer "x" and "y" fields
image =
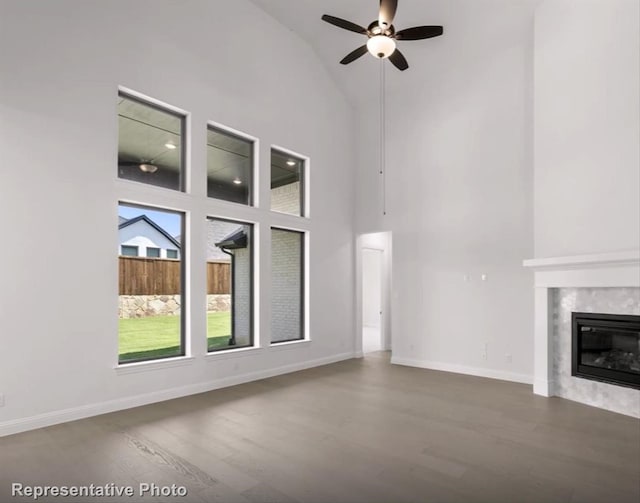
{"x": 358, "y": 431}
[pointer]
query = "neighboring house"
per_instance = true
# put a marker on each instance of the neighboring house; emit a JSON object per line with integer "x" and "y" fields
{"x": 217, "y": 232}
{"x": 235, "y": 246}
{"x": 142, "y": 237}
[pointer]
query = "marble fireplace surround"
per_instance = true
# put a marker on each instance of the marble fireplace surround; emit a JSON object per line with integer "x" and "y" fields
{"x": 604, "y": 270}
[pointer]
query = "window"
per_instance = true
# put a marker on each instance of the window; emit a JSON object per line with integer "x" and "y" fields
{"x": 150, "y": 291}
{"x": 153, "y": 252}
{"x": 287, "y": 285}
{"x": 229, "y": 284}
{"x": 150, "y": 146}
{"x": 172, "y": 253}
{"x": 129, "y": 251}
{"x": 229, "y": 166}
{"x": 287, "y": 183}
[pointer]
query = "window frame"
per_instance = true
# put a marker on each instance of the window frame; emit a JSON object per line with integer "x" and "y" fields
{"x": 183, "y": 353}
{"x": 303, "y": 285}
{"x": 305, "y": 207}
{"x": 254, "y": 172}
{"x": 195, "y": 207}
{"x": 139, "y": 98}
{"x": 252, "y": 283}
{"x": 130, "y": 247}
{"x": 153, "y": 248}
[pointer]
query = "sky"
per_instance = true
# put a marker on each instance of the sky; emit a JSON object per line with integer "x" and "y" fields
{"x": 169, "y": 221}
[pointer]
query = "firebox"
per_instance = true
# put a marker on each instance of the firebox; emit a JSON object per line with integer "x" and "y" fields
{"x": 606, "y": 347}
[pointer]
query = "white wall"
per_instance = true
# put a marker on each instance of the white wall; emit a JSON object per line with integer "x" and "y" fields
{"x": 459, "y": 193}
{"x": 58, "y": 138}
{"x": 587, "y": 127}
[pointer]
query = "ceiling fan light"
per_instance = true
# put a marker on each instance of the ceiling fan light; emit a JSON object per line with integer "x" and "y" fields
{"x": 148, "y": 168}
{"x": 381, "y": 46}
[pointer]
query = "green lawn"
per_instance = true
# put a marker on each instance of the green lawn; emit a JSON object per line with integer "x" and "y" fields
{"x": 159, "y": 336}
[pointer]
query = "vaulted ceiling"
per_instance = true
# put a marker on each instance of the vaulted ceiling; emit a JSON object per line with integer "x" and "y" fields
{"x": 466, "y": 22}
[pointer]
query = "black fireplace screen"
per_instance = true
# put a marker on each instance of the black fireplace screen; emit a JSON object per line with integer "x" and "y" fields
{"x": 606, "y": 347}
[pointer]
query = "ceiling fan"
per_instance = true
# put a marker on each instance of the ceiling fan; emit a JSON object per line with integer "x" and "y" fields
{"x": 383, "y": 36}
{"x": 145, "y": 166}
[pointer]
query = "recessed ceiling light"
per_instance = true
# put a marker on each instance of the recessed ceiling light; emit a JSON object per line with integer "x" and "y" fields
{"x": 170, "y": 146}
{"x": 237, "y": 181}
{"x": 148, "y": 168}
{"x": 291, "y": 162}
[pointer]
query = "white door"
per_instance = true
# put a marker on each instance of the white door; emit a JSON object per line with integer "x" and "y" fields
{"x": 371, "y": 300}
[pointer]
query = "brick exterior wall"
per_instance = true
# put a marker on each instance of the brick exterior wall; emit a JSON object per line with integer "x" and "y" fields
{"x": 286, "y": 199}
{"x": 217, "y": 230}
{"x": 242, "y": 295}
{"x": 286, "y": 281}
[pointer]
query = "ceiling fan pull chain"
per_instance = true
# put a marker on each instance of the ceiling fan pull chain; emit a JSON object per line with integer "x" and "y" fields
{"x": 383, "y": 138}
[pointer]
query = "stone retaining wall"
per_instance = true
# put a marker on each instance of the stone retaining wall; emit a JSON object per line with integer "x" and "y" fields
{"x": 140, "y": 306}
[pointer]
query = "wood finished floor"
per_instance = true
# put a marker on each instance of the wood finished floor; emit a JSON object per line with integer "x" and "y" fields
{"x": 355, "y": 431}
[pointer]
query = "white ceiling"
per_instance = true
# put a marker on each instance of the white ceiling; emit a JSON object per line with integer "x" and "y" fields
{"x": 465, "y": 22}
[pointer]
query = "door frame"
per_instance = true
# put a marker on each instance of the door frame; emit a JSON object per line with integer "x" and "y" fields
{"x": 381, "y": 241}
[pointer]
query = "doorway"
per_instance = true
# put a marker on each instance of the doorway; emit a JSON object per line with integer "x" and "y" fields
{"x": 371, "y": 300}
{"x": 374, "y": 287}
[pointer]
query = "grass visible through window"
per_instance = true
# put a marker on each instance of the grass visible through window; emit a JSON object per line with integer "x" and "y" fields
{"x": 159, "y": 336}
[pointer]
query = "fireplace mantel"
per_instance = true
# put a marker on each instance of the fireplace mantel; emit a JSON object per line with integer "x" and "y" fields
{"x": 602, "y": 270}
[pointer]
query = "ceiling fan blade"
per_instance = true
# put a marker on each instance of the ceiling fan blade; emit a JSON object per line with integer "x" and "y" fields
{"x": 353, "y": 55}
{"x": 387, "y": 12}
{"x": 419, "y": 33}
{"x": 343, "y": 23}
{"x": 399, "y": 60}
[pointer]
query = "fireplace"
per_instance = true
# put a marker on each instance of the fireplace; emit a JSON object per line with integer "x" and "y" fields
{"x": 606, "y": 347}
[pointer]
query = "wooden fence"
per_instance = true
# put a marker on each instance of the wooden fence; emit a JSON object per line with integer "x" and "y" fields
{"x": 157, "y": 276}
{"x": 218, "y": 278}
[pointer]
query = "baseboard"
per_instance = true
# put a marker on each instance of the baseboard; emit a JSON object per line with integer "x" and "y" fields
{"x": 461, "y": 369}
{"x": 73, "y": 414}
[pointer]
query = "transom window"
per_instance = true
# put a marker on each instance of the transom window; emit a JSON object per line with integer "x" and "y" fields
{"x": 150, "y": 144}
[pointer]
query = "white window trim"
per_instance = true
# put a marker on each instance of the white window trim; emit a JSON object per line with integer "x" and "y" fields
{"x": 254, "y": 192}
{"x": 306, "y": 192}
{"x": 255, "y": 283}
{"x": 198, "y": 206}
{"x": 149, "y": 365}
{"x": 306, "y": 336}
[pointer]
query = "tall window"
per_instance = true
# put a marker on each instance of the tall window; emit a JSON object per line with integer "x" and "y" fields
{"x": 150, "y": 288}
{"x": 229, "y": 284}
{"x": 150, "y": 144}
{"x": 287, "y": 183}
{"x": 229, "y": 166}
{"x": 287, "y": 285}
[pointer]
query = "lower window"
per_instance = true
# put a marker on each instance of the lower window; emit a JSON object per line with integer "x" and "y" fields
{"x": 229, "y": 284}
{"x": 150, "y": 300}
{"x": 287, "y": 285}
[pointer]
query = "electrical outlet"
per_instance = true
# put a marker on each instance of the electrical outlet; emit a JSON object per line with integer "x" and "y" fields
{"x": 1, "y": 400}
{"x": 507, "y": 358}
{"x": 485, "y": 351}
